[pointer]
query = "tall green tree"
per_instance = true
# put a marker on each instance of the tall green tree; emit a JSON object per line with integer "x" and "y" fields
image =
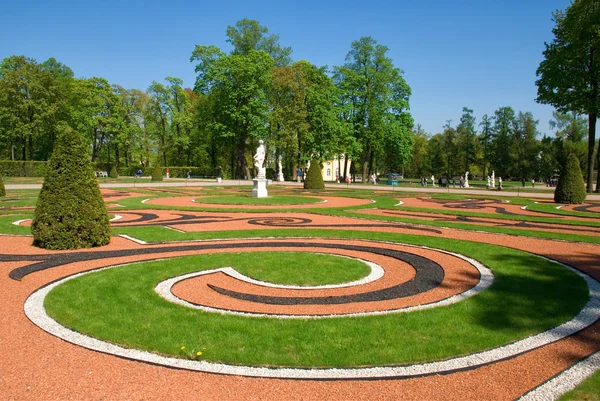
{"x": 569, "y": 75}
{"x": 249, "y": 35}
{"x": 96, "y": 111}
{"x": 467, "y": 137}
{"x": 524, "y": 145}
{"x": 502, "y": 142}
{"x": 379, "y": 99}
{"x": 485, "y": 142}
{"x": 31, "y": 105}
{"x": 238, "y": 84}
{"x": 571, "y": 130}
{"x": 419, "y": 164}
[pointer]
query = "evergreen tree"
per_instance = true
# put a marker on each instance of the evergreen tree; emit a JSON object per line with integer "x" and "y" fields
{"x": 157, "y": 174}
{"x": 113, "y": 172}
{"x": 70, "y": 212}
{"x": 314, "y": 178}
{"x": 570, "y": 188}
{"x": 2, "y": 189}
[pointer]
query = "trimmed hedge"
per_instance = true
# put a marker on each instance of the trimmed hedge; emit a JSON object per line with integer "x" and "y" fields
{"x": 314, "y": 178}
{"x": 157, "y": 174}
{"x": 23, "y": 168}
{"x": 113, "y": 172}
{"x": 570, "y": 188}
{"x": 2, "y": 188}
{"x": 70, "y": 211}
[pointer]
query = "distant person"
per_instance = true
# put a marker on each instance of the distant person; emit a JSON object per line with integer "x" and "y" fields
{"x": 533, "y": 183}
{"x": 523, "y": 182}
{"x": 499, "y": 183}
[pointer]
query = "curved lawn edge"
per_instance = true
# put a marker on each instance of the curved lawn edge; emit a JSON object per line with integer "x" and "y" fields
{"x": 163, "y": 289}
{"x": 35, "y": 311}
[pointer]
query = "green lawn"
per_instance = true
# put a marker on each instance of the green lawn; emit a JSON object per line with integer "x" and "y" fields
{"x": 249, "y": 200}
{"x": 529, "y": 295}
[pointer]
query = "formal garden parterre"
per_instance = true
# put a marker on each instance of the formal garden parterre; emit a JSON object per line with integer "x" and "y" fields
{"x": 498, "y": 335}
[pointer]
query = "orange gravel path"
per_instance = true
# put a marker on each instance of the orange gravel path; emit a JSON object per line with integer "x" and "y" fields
{"x": 36, "y": 365}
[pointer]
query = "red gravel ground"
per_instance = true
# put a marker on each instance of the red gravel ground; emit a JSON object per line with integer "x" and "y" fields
{"x": 36, "y": 365}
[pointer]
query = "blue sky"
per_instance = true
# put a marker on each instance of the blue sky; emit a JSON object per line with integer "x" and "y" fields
{"x": 476, "y": 53}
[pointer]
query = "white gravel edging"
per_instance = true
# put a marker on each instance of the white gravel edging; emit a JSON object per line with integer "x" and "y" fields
{"x": 163, "y": 289}
{"x": 565, "y": 381}
{"x": 34, "y": 309}
{"x": 18, "y": 222}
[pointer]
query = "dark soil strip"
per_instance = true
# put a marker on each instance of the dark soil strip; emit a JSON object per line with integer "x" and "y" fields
{"x": 54, "y": 260}
{"x": 429, "y": 275}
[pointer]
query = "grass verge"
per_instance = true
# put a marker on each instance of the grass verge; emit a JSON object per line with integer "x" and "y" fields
{"x": 119, "y": 305}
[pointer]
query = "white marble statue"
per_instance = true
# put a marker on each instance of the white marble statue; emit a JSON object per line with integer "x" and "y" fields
{"x": 489, "y": 182}
{"x": 432, "y": 180}
{"x": 493, "y": 181}
{"x": 279, "y": 170}
{"x": 259, "y": 159}
{"x": 466, "y": 184}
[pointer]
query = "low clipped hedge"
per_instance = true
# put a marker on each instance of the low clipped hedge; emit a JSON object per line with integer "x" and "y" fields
{"x": 23, "y": 168}
{"x": 314, "y": 178}
{"x": 570, "y": 188}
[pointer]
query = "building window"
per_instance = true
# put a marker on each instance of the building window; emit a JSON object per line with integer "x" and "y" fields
{"x": 328, "y": 172}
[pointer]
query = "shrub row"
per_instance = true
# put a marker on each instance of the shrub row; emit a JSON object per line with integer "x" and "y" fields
{"x": 10, "y": 168}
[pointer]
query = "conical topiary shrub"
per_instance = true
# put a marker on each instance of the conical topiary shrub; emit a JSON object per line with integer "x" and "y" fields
{"x": 570, "y": 188}
{"x": 314, "y": 178}
{"x": 70, "y": 211}
{"x": 2, "y": 188}
{"x": 157, "y": 174}
{"x": 113, "y": 172}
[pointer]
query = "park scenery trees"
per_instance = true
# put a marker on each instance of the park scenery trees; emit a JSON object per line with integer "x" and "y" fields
{"x": 570, "y": 73}
{"x": 356, "y": 113}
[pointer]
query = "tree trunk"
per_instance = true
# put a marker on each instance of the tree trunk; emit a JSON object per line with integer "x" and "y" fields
{"x": 365, "y": 165}
{"x": 591, "y": 145}
{"x": 242, "y": 166}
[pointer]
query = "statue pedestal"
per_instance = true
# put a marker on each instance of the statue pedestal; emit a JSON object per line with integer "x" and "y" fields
{"x": 260, "y": 188}
{"x": 219, "y": 179}
{"x": 280, "y": 177}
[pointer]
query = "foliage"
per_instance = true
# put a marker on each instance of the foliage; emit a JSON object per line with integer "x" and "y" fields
{"x": 374, "y": 98}
{"x": 249, "y": 35}
{"x": 23, "y": 168}
{"x": 570, "y": 188}
{"x": 569, "y": 75}
{"x": 237, "y": 83}
{"x": 2, "y": 188}
{"x": 466, "y": 138}
{"x": 70, "y": 212}
{"x": 113, "y": 172}
{"x": 314, "y": 177}
{"x": 157, "y": 174}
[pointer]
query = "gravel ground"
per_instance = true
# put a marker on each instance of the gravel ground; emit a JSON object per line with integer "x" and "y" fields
{"x": 36, "y": 365}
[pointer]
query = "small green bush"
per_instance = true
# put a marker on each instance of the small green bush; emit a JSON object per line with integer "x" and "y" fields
{"x": 70, "y": 212}
{"x": 157, "y": 174}
{"x": 113, "y": 172}
{"x": 2, "y": 189}
{"x": 314, "y": 178}
{"x": 570, "y": 188}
